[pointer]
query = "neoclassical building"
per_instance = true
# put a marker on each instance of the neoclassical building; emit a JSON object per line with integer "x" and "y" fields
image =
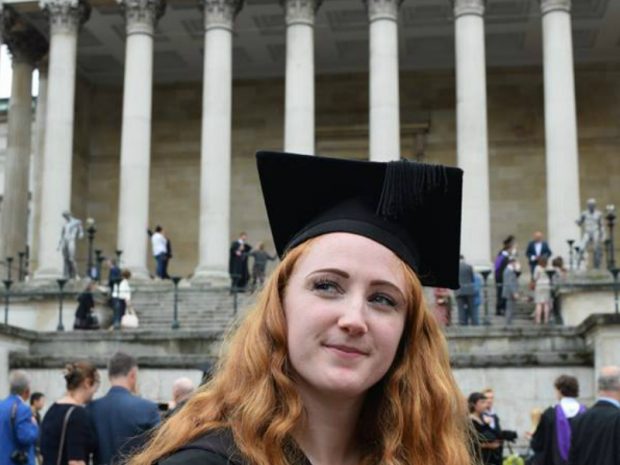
{"x": 149, "y": 112}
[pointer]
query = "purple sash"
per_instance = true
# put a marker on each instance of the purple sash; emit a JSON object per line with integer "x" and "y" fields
{"x": 563, "y": 431}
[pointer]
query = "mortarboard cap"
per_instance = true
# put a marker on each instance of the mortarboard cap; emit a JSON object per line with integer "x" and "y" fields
{"x": 413, "y": 209}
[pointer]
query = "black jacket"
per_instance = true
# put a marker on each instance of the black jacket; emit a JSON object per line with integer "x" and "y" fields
{"x": 596, "y": 436}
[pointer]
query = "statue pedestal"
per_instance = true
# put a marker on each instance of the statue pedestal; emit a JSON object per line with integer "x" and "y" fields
{"x": 584, "y": 293}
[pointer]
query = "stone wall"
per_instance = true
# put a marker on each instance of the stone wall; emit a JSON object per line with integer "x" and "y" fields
{"x": 516, "y": 146}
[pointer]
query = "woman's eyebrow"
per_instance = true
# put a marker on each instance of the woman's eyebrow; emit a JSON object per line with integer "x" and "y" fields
{"x": 337, "y": 271}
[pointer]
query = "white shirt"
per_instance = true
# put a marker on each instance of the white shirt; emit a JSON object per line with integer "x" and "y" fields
{"x": 570, "y": 406}
{"x": 122, "y": 291}
{"x": 158, "y": 242}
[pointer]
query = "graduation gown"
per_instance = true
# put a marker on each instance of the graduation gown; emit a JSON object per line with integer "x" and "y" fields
{"x": 215, "y": 448}
{"x": 238, "y": 263}
{"x": 544, "y": 442}
{"x": 596, "y": 436}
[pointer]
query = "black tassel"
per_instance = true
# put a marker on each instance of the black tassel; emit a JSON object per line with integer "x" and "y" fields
{"x": 406, "y": 184}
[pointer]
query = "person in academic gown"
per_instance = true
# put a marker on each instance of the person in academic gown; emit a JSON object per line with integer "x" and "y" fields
{"x": 340, "y": 361}
{"x": 238, "y": 263}
{"x": 596, "y": 434}
{"x": 551, "y": 440}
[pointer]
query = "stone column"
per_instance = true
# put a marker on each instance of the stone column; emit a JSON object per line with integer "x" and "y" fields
{"x": 26, "y": 46}
{"x": 562, "y": 157}
{"x": 133, "y": 210}
{"x": 37, "y": 159}
{"x": 65, "y": 18}
{"x": 384, "y": 96}
{"x": 299, "y": 102}
{"x": 471, "y": 130}
{"x": 215, "y": 153}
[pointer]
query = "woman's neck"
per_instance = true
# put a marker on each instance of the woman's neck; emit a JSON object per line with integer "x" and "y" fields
{"x": 328, "y": 430}
{"x": 75, "y": 397}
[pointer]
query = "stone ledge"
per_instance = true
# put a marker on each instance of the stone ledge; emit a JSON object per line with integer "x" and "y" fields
{"x": 523, "y": 360}
{"x": 25, "y": 361}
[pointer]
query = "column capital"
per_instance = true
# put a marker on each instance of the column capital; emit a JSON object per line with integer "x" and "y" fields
{"x": 300, "y": 11}
{"x": 547, "y": 6}
{"x": 141, "y": 16}
{"x": 382, "y": 9}
{"x": 220, "y": 14}
{"x": 469, "y": 7}
{"x": 65, "y": 16}
{"x": 25, "y": 43}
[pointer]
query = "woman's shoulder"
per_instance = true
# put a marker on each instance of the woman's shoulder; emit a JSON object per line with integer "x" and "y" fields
{"x": 213, "y": 448}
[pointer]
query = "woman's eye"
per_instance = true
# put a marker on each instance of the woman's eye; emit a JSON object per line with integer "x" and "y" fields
{"x": 383, "y": 299}
{"x": 325, "y": 285}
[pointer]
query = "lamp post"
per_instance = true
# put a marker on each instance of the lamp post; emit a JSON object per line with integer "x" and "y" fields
{"x": 61, "y": 285}
{"x": 175, "y": 320}
{"x": 7, "y": 288}
{"x": 611, "y": 221}
{"x": 614, "y": 272}
{"x": 118, "y": 257}
{"x": 570, "y": 253}
{"x": 9, "y": 265}
{"x": 20, "y": 270}
{"x": 91, "y": 230}
{"x": 99, "y": 259}
{"x": 485, "y": 276}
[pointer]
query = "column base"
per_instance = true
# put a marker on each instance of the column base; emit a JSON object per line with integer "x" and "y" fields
{"x": 211, "y": 277}
{"x": 138, "y": 273}
{"x": 48, "y": 274}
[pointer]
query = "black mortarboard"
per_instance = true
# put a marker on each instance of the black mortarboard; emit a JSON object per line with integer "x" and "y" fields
{"x": 414, "y": 209}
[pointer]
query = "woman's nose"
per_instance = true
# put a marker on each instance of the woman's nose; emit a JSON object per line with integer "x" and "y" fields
{"x": 353, "y": 317}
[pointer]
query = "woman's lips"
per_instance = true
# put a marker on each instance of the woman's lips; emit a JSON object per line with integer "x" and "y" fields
{"x": 345, "y": 350}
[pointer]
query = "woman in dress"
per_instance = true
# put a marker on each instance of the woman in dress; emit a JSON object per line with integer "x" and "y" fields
{"x": 67, "y": 427}
{"x": 485, "y": 436}
{"x": 340, "y": 362}
{"x": 542, "y": 291}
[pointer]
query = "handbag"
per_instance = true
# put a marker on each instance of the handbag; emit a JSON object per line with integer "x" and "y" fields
{"x": 513, "y": 458}
{"x": 130, "y": 319}
{"x": 63, "y": 434}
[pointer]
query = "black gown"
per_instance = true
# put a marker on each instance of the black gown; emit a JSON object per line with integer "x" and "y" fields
{"x": 596, "y": 436}
{"x": 214, "y": 448}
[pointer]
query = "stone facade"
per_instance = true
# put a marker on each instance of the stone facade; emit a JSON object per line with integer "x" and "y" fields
{"x": 516, "y": 147}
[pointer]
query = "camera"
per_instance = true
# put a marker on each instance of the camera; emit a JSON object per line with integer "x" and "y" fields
{"x": 508, "y": 435}
{"x": 19, "y": 457}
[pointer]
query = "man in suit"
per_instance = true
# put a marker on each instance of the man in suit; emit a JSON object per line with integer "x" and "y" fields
{"x": 510, "y": 288}
{"x": 18, "y": 428}
{"x": 595, "y": 436}
{"x": 465, "y": 295}
{"x": 537, "y": 248}
{"x": 238, "y": 263}
{"x": 121, "y": 418}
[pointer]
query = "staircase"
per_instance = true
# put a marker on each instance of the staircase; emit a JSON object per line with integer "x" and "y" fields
{"x": 199, "y": 308}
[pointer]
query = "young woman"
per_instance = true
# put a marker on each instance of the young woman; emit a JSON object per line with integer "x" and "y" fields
{"x": 486, "y": 437}
{"x": 542, "y": 291}
{"x": 68, "y": 414}
{"x": 340, "y": 363}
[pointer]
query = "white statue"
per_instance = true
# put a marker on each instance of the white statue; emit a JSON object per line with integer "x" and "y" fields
{"x": 71, "y": 231}
{"x": 591, "y": 221}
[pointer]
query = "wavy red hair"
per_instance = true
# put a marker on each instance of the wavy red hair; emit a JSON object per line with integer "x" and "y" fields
{"x": 414, "y": 415}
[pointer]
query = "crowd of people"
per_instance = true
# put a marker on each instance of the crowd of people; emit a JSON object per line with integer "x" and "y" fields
{"x": 506, "y": 272}
{"x": 77, "y": 429}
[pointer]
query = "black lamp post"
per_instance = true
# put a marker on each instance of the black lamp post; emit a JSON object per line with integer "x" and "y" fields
{"x": 91, "y": 230}
{"x": 7, "y": 288}
{"x": 118, "y": 257}
{"x": 570, "y": 253}
{"x": 485, "y": 276}
{"x": 20, "y": 270}
{"x": 611, "y": 221}
{"x": 9, "y": 265}
{"x": 614, "y": 272}
{"x": 175, "y": 320}
{"x": 61, "y": 285}
{"x": 99, "y": 259}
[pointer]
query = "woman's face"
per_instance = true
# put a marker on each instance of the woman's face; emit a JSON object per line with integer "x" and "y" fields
{"x": 481, "y": 406}
{"x": 345, "y": 309}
